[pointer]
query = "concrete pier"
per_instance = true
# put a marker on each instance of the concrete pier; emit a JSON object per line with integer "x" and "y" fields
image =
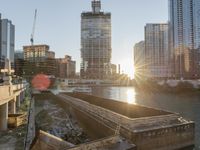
{"x": 19, "y": 101}
{"x": 3, "y": 116}
{"x": 23, "y": 95}
{"x": 12, "y": 106}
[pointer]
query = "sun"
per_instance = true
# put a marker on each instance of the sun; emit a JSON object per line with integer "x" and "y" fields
{"x": 131, "y": 96}
{"x": 128, "y": 67}
{"x": 131, "y": 72}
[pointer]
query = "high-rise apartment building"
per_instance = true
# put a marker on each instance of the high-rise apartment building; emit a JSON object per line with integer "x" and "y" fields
{"x": 185, "y": 38}
{"x": 139, "y": 59}
{"x": 95, "y": 43}
{"x": 156, "y": 51}
{"x": 7, "y": 41}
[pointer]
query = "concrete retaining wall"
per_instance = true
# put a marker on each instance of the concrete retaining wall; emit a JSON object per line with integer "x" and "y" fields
{"x": 120, "y": 107}
{"x": 175, "y": 137}
{"x": 167, "y": 137}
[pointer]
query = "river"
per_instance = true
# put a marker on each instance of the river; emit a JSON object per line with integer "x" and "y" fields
{"x": 186, "y": 104}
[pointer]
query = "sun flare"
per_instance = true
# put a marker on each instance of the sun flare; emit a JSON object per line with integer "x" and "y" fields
{"x": 131, "y": 72}
{"x": 131, "y": 96}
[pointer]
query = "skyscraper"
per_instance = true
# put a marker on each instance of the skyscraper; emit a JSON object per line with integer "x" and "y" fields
{"x": 95, "y": 43}
{"x": 139, "y": 59}
{"x": 185, "y": 37}
{"x": 156, "y": 51}
{"x": 7, "y": 41}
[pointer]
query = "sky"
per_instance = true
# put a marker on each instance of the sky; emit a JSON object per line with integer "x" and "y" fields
{"x": 58, "y": 24}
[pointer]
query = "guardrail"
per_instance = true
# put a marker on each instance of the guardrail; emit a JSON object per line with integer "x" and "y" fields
{"x": 7, "y": 92}
{"x": 18, "y": 86}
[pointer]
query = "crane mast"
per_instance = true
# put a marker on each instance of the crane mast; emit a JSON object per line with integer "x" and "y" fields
{"x": 33, "y": 30}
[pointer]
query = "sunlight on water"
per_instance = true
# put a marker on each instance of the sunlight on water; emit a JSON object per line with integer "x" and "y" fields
{"x": 131, "y": 96}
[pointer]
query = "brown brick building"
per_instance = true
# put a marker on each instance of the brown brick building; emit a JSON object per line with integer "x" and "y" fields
{"x": 39, "y": 60}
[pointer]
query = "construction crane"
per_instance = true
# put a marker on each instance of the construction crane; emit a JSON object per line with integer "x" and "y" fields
{"x": 33, "y": 30}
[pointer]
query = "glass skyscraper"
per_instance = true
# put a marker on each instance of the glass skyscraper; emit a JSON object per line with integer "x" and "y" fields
{"x": 139, "y": 59}
{"x": 7, "y": 41}
{"x": 156, "y": 51}
{"x": 185, "y": 38}
{"x": 95, "y": 43}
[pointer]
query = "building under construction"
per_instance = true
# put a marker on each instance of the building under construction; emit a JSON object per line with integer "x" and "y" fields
{"x": 38, "y": 60}
{"x": 95, "y": 43}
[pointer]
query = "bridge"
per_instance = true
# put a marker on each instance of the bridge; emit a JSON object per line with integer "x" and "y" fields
{"x": 10, "y": 98}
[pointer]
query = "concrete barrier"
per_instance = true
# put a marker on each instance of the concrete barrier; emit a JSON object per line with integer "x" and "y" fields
{"x": 46, "y": 141}
{"x": 164, "y": 131}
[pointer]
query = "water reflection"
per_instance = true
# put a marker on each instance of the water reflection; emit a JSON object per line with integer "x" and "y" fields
{"x": 131, "y": 96}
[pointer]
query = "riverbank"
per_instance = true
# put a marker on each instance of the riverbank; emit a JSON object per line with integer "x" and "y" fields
{"x": 169, "y": 86}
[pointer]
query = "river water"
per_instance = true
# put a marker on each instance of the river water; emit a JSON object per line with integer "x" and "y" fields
{"x": 186, "y": 104}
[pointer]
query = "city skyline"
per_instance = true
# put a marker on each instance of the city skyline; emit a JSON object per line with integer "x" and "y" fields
{"x": 128, "y": 20}
{"x": 99, "y": 74}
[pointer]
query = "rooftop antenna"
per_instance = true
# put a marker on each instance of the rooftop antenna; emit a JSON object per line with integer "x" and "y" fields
{"x": 96, "y": 6}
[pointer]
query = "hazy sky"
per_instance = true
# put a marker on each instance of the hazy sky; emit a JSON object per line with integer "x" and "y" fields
{"x": 58, "y": 24}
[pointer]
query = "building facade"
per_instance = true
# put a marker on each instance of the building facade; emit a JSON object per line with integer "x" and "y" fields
{"x": 113, "y": 69}
{"x": 95, "y": 43}
{"x": 185, "y": 38}
{"x": 38, "y": 60}
{"x": 157, "y": 51}
{"x": 7, "y": 41}
{"x": 19, "y": 63}
{"x": 139, "y": 59}
{"x": 65, "y": 67}
{"x": 37, "y": 53}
